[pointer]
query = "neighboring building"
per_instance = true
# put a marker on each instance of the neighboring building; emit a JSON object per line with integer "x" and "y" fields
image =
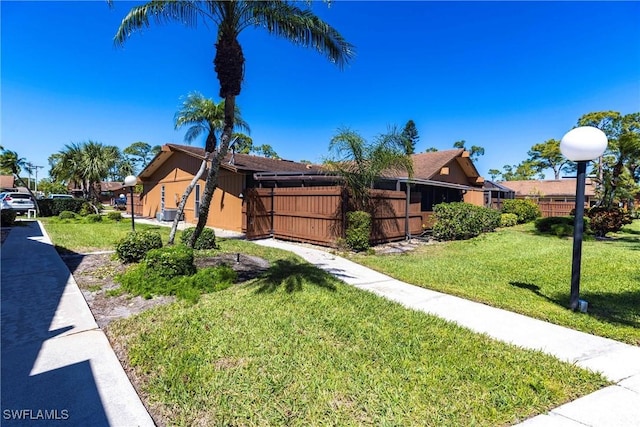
{"x": 556, "y": 190}
{"x": 7, "y": 182}
{"x": 554, "y": 197}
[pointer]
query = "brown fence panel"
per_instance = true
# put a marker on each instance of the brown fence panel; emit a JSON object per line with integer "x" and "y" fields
{"x": 257, "y": 209}
{"x": 556, "y": 208}
{"x": 389, "y": 217}
{"x": 137, "y": 204}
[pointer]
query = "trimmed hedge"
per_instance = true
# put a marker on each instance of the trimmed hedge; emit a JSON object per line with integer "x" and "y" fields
{"x": 358, "y": 230}
{"x": 135, "y": 245}
{"x": 508, "y": 220}
{"x": 206, "y": 239}
{"x": 459, "y": 221}
{"x": 54, "y": 207}
{"x": 171, "y": 261}
{"x": 525, "y": 210}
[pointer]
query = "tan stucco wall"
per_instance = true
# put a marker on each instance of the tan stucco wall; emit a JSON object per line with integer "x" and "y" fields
{"x": 175, "y": 174}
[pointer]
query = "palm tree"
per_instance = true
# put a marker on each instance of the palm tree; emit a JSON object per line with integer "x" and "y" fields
{"x": 360, "y": 163}
{"x": 10, "y": 162}
{"x": 86, "y": 163}
{"x": 203, "y": 116}
{"x": 230, "y": 18}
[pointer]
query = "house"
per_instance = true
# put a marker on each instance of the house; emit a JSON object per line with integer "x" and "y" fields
{"x": 298, "y": 201}
{"x": 166, "y": 177}
{"x": 555, "y": 197}
{"x": 552, "y": 190}
{"x": 495, "y": 194}
{"x": 7, "y": 182}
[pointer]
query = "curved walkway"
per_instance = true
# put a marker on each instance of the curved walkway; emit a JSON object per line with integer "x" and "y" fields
{"x": 614, "y": 406}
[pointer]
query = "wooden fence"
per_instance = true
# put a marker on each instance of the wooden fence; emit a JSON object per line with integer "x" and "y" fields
{"x": 556, "y": 208}
{"x": 318, "y": 214}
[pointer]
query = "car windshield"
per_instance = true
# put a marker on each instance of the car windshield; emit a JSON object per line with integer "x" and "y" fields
{"x": 19, "y": 196}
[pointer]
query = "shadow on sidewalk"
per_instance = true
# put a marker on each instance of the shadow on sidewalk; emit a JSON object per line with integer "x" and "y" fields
{"x": 39, "y": 385}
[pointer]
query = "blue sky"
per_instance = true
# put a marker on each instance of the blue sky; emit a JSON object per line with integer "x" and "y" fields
{"x": 501, "y": 75}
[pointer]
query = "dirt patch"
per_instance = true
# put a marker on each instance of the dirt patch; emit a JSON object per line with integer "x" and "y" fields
{"x": 95, "y": 274}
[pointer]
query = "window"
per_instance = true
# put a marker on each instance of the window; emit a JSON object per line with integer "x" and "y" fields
{"x": 162, "y": 198}
{"x": 197, "y": 198}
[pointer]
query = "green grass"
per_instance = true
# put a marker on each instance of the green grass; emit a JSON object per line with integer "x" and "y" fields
{"x": 522, "y": 271}
{"x": 81, "y": 237}
{"x": 296, "y": 347}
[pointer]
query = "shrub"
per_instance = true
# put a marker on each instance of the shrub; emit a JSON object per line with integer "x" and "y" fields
{"x": 114, "y": 216}
{"x": 548, "y": 225}
{"x": 358, "y": 230}
{"x": 93, "y": 218}
{"x": 525, "y": 210}
{"x": 67, "y": 215}
{"x": 562, "y": 230}
{"x": 206, "y": 240}
{"x": 171, "y": 261}
{"x": 603, "y": 220}
{"x": 7, "y": 217}
{"x": 508, "y": 220}
{"x": 459, "y": 220}
{"x": 54, "y": 207}
{"x": 135, "y": 245}
{"x": 88, "y": 209}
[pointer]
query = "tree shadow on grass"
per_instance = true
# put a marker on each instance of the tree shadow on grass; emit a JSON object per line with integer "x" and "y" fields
{"x": 291, "y": 276}
{"x": 621, "y": 308}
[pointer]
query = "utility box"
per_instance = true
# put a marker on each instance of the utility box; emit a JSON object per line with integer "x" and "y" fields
{"x": 169, "y": 214}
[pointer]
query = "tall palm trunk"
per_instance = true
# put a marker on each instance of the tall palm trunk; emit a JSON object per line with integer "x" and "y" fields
{"x": 212, "y": 176}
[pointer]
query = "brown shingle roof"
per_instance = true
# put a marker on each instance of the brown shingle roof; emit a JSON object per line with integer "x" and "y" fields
{"x": 546, "y": 188}
{"x": 249, "y": 163}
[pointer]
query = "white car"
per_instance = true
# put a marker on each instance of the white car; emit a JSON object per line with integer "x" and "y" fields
{"x": 19, "y": 202}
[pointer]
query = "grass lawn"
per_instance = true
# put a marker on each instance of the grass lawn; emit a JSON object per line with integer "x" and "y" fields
{"x": 77, "y": 236}
{"x": 298, "y": 347}
{"x": 521, "y": 271}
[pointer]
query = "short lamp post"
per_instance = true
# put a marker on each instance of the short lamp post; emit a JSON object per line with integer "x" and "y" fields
{"x": 580, "y": 145}
{"x": 131, "y": 181}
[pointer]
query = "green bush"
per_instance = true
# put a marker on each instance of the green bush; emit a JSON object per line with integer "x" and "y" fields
{"x": 54, "y": 207}
{"x": 562, "y": 230}
{"x": 525, "y": 210}
{"x": 135, "y": 245}
{"x": 358, "y": 230}
{"x": 603, "y": 220}
{"x": 508, "y": 220}
{"x": 459, "y": 221}
{"x": 93, "y": 218}
{"x": 114, "y": 216}
{"x": 7, "y": 217}
{"x": 171, "y": 261}
{"x": 206, "y": 240}
{"x": 560, "y": 224}
{"x": 67, "y": 215}
{"x": 88, "y": 209}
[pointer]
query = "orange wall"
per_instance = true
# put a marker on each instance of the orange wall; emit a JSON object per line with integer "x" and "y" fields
{"x": 175, "y": 174}
{"x": 475, "y": 197}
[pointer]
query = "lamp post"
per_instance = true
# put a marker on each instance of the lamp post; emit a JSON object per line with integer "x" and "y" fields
{"x": 130, "y": 181}
{"x": 580, "y": 145}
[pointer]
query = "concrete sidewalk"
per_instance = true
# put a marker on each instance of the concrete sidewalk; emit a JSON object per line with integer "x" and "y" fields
{"x": 614, "y": 406}
{"x": 58, "y": 368}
